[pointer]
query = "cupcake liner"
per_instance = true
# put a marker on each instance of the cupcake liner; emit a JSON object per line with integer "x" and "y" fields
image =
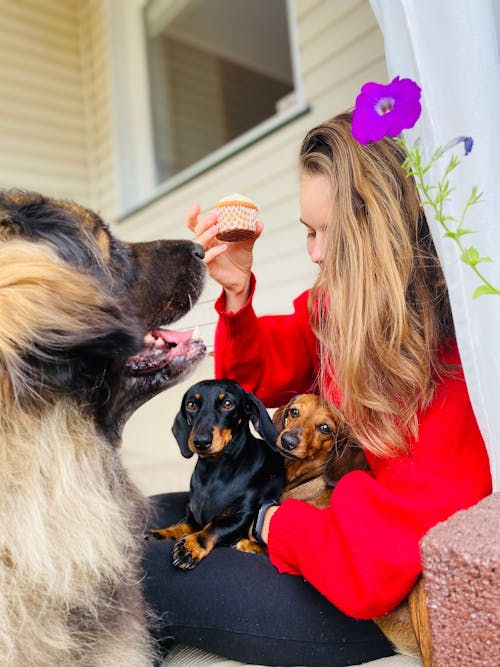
{"x": 237, "y": 220}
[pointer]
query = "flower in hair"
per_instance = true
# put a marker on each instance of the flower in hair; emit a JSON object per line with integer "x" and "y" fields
{"x": 384, "y": 111}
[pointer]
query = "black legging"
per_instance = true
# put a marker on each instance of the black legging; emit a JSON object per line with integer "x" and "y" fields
{"x": 238, "y": 606}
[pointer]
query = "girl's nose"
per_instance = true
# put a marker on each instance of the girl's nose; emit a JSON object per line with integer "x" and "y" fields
{"x": 318, "y": 250}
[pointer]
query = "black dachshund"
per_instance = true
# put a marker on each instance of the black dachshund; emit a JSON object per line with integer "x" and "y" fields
{"x": 234, "y": 473}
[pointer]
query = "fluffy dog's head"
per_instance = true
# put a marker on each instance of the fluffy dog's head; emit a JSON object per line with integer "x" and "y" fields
{"x": 81, "y": 311}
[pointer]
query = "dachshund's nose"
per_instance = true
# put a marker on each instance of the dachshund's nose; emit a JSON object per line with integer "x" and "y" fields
{"x": 202, "y": 443}
{"x": 289, "y": 442}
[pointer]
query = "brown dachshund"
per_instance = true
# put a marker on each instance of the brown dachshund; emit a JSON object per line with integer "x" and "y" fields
{"x": 318, "y": 449}
{"x": 314, "y": 438}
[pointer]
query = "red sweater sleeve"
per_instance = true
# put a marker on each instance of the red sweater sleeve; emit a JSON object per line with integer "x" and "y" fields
{"x": 362, "y": 552}
{"x": 274, "y": 356}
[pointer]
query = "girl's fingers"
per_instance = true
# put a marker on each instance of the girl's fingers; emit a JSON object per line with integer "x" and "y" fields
{"x": 214, "y": 252}
{"x": 206, "y": 228}
{"x": 207, "y": 238}
{"x": 192, "y": 217}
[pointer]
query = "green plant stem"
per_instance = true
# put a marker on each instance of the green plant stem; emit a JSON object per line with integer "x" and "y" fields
{"x": 414, "y": 167}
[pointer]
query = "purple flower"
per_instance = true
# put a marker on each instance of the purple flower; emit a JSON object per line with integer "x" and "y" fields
{"x": 468, "y": 143}
{"x": 382, "y": 111}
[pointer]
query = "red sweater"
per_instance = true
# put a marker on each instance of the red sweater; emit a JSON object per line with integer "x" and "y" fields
{"x": 362, "y": 552}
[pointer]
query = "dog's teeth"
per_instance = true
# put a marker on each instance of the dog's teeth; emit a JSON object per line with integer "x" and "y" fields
{"x": 196, "y": 334}
{"x": 149, "y": 339}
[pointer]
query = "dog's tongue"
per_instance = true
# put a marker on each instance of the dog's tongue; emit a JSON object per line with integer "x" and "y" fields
{"x": 173, "y": 337}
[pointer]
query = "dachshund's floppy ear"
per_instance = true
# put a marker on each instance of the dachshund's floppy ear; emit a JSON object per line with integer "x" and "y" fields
{"x": 279, "y": 417}
{"x": 260, "y": 419}
{"x": 181, "y": 431}
{"x": 346, "y": 456}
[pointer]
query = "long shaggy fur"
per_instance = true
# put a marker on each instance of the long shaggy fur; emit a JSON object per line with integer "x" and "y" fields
{"x": 71, "y": 522}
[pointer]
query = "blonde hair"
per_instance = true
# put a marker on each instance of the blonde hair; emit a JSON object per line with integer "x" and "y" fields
{"x": 380, "y": 306}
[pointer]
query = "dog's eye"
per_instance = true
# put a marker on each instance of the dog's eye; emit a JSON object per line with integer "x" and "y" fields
{"x": 191, "y": 406}
{"x": 294, "y": 413}
{"x": 325, "y": 429}
{"x": 227, "y": 404}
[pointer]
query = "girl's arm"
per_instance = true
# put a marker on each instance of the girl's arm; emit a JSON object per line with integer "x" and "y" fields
{"x": 362, "y": 552}
{"x": 273, "y": 356}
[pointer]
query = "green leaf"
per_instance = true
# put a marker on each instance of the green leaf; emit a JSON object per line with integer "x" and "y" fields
{"x": 462, "y": 232}
{"x": 484, "y": 289}
{"x": 470, "y": 256}
{"x": 475, "y": 196}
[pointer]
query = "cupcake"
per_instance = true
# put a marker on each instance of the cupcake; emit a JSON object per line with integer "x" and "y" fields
{"x": 237, "y": 217}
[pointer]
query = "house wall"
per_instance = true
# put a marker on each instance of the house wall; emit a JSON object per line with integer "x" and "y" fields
{"x": 43, "y": 142}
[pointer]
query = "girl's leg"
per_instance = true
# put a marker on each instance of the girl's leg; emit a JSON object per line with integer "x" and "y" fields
{"x": 236, "y": 605}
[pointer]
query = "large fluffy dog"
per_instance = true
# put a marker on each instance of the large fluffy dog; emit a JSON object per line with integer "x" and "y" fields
{"x": 76, "y": 305}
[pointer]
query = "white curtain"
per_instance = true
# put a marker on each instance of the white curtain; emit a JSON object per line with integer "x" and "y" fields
{"x": 451, "y": 49}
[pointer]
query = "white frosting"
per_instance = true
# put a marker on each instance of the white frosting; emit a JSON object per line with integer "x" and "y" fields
{"x": 237, "y": 197}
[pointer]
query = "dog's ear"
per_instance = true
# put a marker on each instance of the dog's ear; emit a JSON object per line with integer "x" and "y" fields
{"x": 260, "y": 419}
{"x": 279, "y": 417}
{"x": 346, "y": 456}
{"x": 181, "y": 431}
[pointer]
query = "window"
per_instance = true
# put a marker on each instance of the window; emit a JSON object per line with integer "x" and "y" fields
{"x": 218, "y": 68}
{"x": 193, "y": 82}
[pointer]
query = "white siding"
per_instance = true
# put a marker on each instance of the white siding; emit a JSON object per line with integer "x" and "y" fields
{"x": 42, "y": 124}
{"x": 99, "y": 123}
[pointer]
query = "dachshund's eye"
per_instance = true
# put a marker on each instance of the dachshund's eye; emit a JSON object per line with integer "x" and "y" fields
{"x": 325, "y": 429}
{"x": 191, "y": 406}
{"x": 227, "y": 404}
{"x": 294, "y": 413}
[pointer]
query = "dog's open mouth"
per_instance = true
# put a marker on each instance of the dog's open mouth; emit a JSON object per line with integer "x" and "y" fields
{"x": 164, "y": 348}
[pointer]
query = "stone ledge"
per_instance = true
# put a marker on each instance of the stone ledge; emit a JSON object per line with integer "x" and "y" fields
{"x": 461, "y": 565}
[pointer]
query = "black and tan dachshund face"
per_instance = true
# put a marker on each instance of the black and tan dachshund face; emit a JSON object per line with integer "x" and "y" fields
{"x": 313, "y": 434}
{"x": 213, "y": 419}
{"x": 85, "y": 311}
{"x": 214, "y": 412}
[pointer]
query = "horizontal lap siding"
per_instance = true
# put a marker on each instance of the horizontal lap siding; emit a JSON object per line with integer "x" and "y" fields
{"x": 99, "y": 122}
{"x": 43, "y": 143}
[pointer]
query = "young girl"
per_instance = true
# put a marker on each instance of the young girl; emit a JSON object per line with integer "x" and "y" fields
{"x": 375, "y": 336}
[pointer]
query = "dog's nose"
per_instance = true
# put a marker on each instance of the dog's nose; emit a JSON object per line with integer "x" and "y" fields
{"x": 198, "y": 251}
{"x": 202, "y": 442}
{"x": 289, "y": 442}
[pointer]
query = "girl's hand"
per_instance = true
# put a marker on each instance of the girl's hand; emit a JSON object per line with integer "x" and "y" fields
{"x": 230, "y": 264}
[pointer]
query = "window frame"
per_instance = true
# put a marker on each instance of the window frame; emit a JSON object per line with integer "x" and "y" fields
{"x": 133, "y": 138}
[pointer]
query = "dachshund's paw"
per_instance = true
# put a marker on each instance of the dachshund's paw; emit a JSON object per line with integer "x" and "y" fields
{"x": 172, "y": 532}
{"x": 189, "y": 550}
{"x": 250, "y": 546}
